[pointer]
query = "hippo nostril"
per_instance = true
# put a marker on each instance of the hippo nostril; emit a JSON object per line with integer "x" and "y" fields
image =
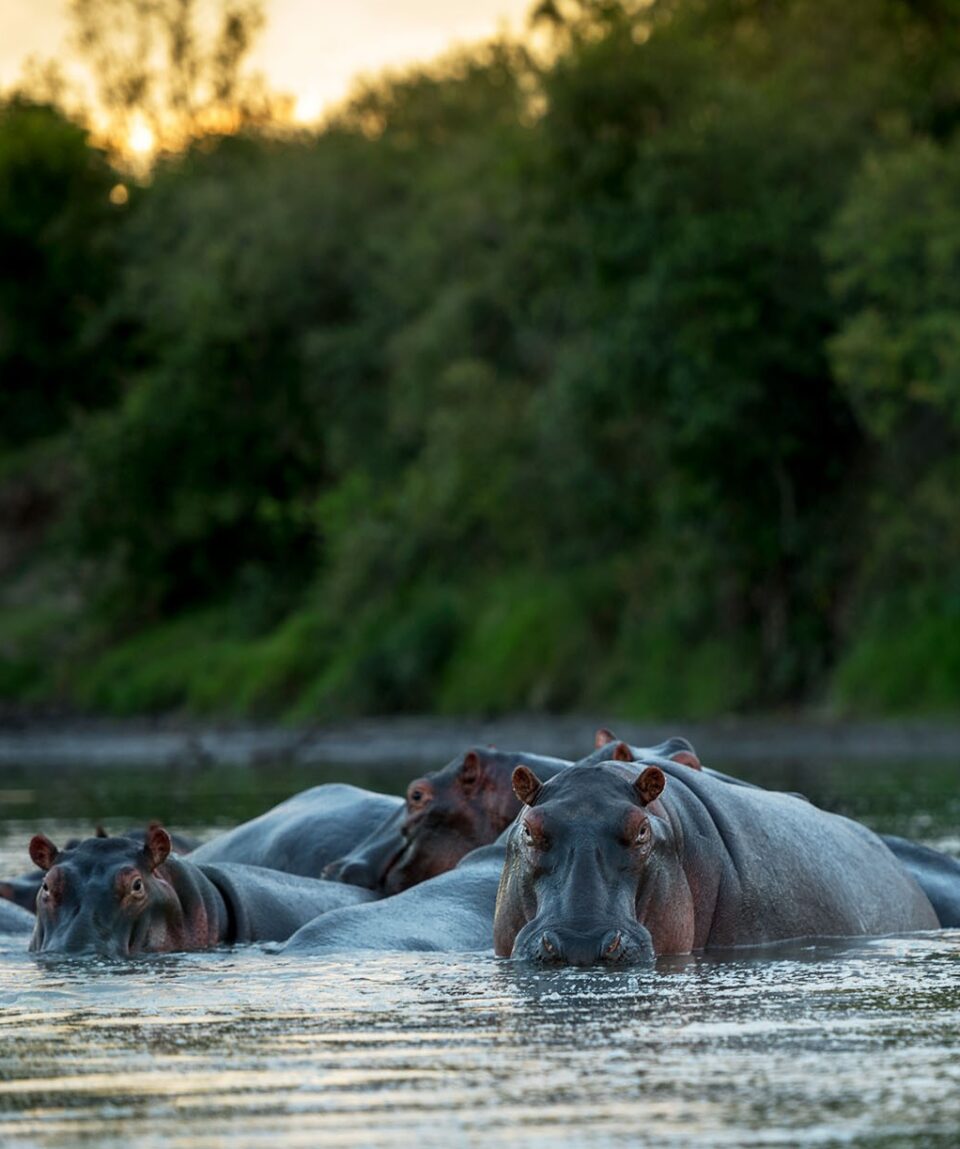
{"x": 550, "y": 946}
{"x": 612, "y": 944}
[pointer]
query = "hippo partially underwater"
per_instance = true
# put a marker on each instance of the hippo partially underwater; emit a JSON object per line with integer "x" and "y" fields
{"x": 121, "y": 897}
{"x": 616, "y": 864}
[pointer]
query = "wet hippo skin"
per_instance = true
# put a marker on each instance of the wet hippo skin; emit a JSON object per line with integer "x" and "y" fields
{"x": 451, "y": 913}
{"x": 14, "y": 919}
{"x": 304, "y": 833}
{"x": 117, "y": 897}
{"x": 614, "y": 863}
{"x": 449, "y": 910}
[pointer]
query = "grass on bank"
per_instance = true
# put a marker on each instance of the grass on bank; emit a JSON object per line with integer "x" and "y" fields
{"x": 522, "y": 644}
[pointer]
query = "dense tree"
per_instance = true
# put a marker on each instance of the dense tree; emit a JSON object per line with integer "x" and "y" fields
{"x": 619, "y": 370}
{"x": 57, "y": 233}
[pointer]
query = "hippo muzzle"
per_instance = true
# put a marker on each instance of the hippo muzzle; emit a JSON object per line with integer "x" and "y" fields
{"x": 607, "y": 945}
{"x": 81, "y": 932}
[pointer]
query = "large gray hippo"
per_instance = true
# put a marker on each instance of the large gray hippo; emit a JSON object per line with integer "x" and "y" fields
{"x": 614, "y": 863}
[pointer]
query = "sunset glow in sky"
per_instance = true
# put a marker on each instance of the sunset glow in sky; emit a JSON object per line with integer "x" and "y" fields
{"x": 311, "y": 49}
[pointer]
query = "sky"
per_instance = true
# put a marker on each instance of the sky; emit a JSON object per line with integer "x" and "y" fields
{"x": 310, "y": 48}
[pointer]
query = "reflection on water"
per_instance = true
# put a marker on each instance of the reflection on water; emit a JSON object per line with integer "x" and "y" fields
{"x": 244, "y": 1049}
{"x": 842, "y": 1043}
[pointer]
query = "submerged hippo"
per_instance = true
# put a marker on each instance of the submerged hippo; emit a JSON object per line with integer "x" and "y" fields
{"x": 118, "y": 897}
{"x": 613, "y": 865}
{"x": 459, "y": 808}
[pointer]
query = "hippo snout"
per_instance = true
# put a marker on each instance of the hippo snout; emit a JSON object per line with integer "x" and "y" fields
{"x": 626, "y": 945}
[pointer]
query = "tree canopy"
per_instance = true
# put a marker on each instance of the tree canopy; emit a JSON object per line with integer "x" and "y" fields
{"x": 620, "y": 373}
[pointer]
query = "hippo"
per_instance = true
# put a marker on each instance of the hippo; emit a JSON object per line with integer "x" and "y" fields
{"x": 119, "y": 897}
{"x": 452, "y": 811}
{"x": 608, "y": 864}
{"x": 15, "y": 919}
{"x": 23, "y": 890}
{"x": 936, "y": 873}
{"x": 448, "y": 813}
{"x": 304, "y": 833}
{"x": 451, "y": 913}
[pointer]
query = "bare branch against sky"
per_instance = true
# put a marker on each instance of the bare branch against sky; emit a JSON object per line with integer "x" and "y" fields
{"x": 312, "y": 49}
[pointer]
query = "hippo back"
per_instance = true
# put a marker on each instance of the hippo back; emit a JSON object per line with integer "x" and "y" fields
{"x": 451, "y": 913}
{"x": 780, "y": 867}
{"x": 14, "y": 919}
{"x": 304, "y": 833}
{"x": 267, "y": 905}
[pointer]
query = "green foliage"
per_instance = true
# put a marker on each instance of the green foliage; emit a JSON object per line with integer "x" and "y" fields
{"x": 205, "y": 473}
{"x": 907, "y": 661}
{"x": 530, "y": 645}
{"x": 895, "y": 247}
{"x": 57, "y": 230}
{"x": 626, "y": 380}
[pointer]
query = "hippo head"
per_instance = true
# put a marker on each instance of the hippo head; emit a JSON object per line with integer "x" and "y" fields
{"x": 450, "y": 812}
{"x": 105, "y": 895}
{"x": 578, "y": 859}
{"x": 608, "y": 747}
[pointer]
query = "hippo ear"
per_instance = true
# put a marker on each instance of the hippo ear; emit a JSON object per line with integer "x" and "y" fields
{"x": 526, "y": 785}
{"x": 686, "y": 758}
{"x": 43, "y": 852}
{"x": 603, "y": 737}
{"x": 156, "y": 845}
{"x": 100, "y": 832}
{"x": 470, "y": 770}
{"x": 649, "y": 786}
{"x": 622, "y": 753}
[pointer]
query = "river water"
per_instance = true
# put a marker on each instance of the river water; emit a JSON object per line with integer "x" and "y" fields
{"x": 854, "y": 1044}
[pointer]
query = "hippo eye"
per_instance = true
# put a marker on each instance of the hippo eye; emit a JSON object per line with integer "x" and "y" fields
{"x": 45, "y": 889}
{"x": 137, "y": 885}
{"x": 643, "y": 834}
{"x": 536, "y": 841}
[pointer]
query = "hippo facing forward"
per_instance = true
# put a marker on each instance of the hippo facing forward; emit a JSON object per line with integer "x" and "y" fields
{"x": 119, "y": 897}
{"x": 23, "y": 890}
{"x": 609, "y": 865}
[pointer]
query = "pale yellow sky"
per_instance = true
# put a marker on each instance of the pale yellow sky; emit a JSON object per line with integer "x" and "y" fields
{"x": 311, "y": 48}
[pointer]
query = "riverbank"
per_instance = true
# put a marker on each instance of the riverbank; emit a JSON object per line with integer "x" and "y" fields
{"x": 416, "y": 742}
